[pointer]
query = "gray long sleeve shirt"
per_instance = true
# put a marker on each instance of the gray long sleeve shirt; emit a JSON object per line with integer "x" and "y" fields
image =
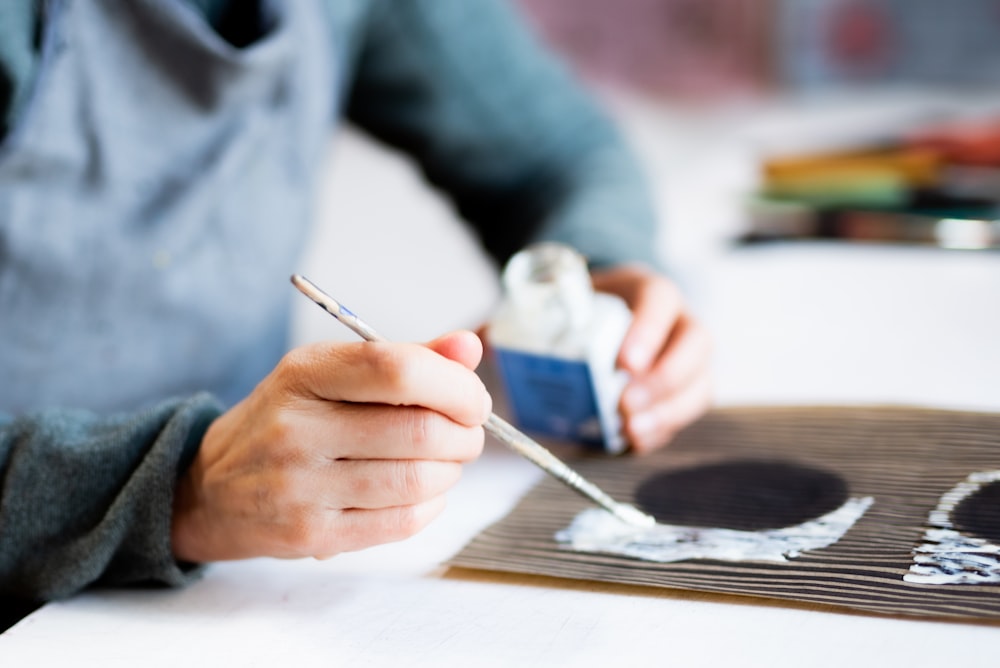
{"x": 157, "y": 166}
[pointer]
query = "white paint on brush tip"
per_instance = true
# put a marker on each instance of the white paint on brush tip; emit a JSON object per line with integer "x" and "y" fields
{"x": 633, "y": 516}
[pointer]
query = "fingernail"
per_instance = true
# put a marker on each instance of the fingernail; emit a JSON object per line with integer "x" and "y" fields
{"x": 643, "y": 424}
{"x": 637, "y": 358}
{"x": 637, "y": 398}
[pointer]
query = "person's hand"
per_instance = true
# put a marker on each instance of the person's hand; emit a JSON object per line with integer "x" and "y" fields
{"x": 342, "y": 446}
{"x": 666, "y": 352}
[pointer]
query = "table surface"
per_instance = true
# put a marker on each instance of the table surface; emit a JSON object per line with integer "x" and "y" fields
{"x": 793, "y": 324}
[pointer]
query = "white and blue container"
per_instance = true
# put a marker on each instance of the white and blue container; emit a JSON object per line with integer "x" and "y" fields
{"x": 556, "y": 341}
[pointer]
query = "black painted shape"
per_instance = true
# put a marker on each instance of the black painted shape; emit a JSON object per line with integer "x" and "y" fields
{"x": 979, "y": 513}
{"x": 748, "y": 495}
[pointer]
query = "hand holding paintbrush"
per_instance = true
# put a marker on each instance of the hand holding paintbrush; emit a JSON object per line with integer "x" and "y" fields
{"x": 500, "y": 428}
{"x": 344, "y": 446}
{"x": 341, "y": 447}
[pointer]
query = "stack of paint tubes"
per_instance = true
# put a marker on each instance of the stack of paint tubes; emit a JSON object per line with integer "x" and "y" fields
{"x": 935, "y": 186}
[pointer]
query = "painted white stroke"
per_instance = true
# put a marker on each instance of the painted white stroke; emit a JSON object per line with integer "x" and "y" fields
{"x": 947, "y": 556}
{"x": 596, "y": 530}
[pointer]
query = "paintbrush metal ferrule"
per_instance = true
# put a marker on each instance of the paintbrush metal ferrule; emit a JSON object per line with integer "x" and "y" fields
{"x": 500, "y": 428}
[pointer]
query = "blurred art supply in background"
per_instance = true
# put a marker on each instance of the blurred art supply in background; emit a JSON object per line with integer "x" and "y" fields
{"x": 837, "y": 42}
{"x": 728, "y": 48}
{"x": 937, "y": 185}
{"x": 697, "y": 48}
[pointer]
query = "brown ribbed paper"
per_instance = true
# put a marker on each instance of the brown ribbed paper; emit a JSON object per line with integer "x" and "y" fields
{"x": 905, "y": 459}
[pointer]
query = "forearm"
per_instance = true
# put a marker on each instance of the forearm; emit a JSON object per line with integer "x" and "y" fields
{"x": 601, "y": 207}
{"x": 87, "y": 499}
{"x": 502, "y": 127}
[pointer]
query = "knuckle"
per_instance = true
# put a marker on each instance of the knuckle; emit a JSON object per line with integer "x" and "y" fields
{"x": 299, "y": 371}
{"x": 435, "y": 437}
{"x": 273, "y": 494}
{"x": 407, "y": 522}
{"x": 424, "y": 429}
{"x": 296, "y": 358}
{"x": 281, "y": 438}
{"x": 411, "y": 481}
{"x": 263, "y": 497}
{"x": 388, "y": 363}
{"x": 293, "y": 366}
{"x": 404, "y": 483}
{"x": 302, "y": 533}
{"x": 280, "y": 431}
{"x": 359, "y": 487}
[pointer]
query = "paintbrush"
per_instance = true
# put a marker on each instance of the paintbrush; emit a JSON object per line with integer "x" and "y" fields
{"x": 500, "y": 428}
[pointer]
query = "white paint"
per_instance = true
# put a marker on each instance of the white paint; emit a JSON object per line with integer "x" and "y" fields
{"x": 595, "y": 530}
{"x": 572, "y": 335}
{"x": 948, "y": 556}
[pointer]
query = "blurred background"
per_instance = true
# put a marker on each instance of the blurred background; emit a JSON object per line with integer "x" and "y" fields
{"x": 851, "y": 119}
{"x": 729, "y": 48}
{"x": 827, "y": 174}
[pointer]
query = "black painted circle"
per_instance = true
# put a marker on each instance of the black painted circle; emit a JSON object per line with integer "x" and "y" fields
{"x": 745, "y": 495}
{"x": 979, "y": 513}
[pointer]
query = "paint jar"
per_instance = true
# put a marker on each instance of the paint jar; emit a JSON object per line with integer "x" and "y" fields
{"x": 555, "y": 341}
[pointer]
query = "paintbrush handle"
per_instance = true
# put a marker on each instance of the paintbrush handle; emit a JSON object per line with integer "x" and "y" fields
{"x": 528, "y": 448}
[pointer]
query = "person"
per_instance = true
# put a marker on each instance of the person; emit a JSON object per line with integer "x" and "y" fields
{"x": 157, "y": 165}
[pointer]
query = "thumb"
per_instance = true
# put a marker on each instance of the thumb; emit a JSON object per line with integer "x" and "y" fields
{"x": 461, "y": 346}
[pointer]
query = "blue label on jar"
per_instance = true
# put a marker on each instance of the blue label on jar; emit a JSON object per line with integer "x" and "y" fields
{"x": 550, "y": 396}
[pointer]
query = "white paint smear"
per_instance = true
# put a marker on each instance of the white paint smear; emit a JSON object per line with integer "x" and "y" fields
{"x": 948, "y": 556}
{"x": 596, "y": 530}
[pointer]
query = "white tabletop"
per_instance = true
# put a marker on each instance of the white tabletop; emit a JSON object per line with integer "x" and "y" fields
{"x": 793, "y": 325}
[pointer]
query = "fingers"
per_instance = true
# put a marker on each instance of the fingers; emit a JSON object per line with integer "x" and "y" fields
{"x": 342, "y": 446}
{"x": 462, "y": 346}
{"x": 674, "y": 392}
{"x": 357, "y": 529}
{"x": 401, "y": 374}
{"x": 685, "y": 357}
{"x": 358, "y": 485}
{"x": 299, "y": 507}
{"x": 658, "y": 424}
{"x": 655, "y": 304}
{"x": 378, "y": 484}
{"x": 653, "y": 315}
{"x": 375, "y": 431}
{"x": 323, "y": 533}
{"x": 667, "y": 353}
